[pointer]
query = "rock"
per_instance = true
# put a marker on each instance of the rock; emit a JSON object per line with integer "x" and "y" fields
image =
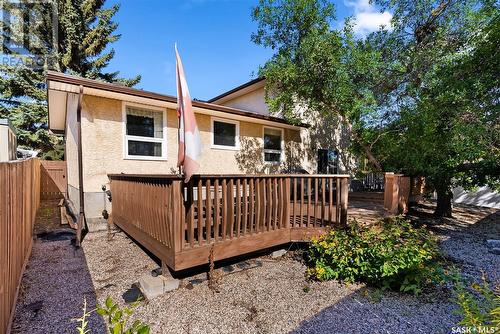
{"x": 196, "y": 281}
{"x": 228, "y": 269}
{"x": 132, "y": 295}
{"x": 278, "y": 253}
{"x": 155, "y": 286}
{"x": 495, "y": 251}
{"x": 493, "y": 243}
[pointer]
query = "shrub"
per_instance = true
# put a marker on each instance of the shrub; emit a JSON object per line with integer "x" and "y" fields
{"x": 479, "y": 306}
{"x": 116, "y": 317}
{"x": 389, "y": 254}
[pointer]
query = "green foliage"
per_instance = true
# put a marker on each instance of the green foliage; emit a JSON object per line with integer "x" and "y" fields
{"x": 420, "y": 98}
{"x": 478, "y": 306}
{"x": 85, "y": 31}
{"x": 391, "y": 254}
{"x": 446, "y": 94}
{"x": 326, "y": 71}
{"x": 117, "y": 318}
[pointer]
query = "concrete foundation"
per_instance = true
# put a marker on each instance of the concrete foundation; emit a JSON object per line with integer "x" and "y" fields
{"x": 95, "y": 203}
{"x": 153, "y": 287}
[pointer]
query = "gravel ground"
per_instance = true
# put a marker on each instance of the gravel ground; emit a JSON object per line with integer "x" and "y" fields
{"x": 53, "y": 288}
{"x": 259, "y": 295}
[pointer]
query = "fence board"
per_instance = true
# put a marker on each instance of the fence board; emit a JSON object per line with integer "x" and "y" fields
{"x": 20, "y": 189}
{"x": 53, "y": 180}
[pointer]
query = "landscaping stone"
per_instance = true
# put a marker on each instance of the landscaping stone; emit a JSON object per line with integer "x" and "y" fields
{"x": 278, "y": 253}
{"x": 495, "y": 251}
{"x": 493, "y": 243}
{"x": 133, "y": 294}
{"x": 228, "y": 269}
{"x": 155, "y": 286}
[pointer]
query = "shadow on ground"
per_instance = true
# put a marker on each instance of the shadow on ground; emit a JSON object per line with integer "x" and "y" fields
{"x": 462, "y": 240}
{"x": 56, "y": 281}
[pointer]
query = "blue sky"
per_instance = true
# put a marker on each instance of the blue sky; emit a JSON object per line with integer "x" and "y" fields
{"x": 213, "y": 37}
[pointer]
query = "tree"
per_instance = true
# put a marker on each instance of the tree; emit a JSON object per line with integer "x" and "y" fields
{"x": 321, "y": 69}
{"x": 84, "y": 32}
{"x": 420, "y": 98}
{"x": 446, "y": 96}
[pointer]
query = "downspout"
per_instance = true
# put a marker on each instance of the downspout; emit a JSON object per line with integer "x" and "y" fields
{"x": 81, "y": 215}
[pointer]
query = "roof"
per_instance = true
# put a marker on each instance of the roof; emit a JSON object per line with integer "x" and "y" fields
{"x": 118, "y": 88}
{"x": 237, "y": 89}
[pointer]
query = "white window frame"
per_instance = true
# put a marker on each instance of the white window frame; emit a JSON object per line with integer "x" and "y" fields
{"x": 282, "y": 153}
{"x": 126, "y": 137}
{"x": 212, "y": 134}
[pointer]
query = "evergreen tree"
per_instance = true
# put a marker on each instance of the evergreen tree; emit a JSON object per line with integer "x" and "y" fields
{"x": 70, "y": 36}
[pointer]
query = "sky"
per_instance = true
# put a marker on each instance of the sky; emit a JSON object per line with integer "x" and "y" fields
{"x": 213, "y": 38}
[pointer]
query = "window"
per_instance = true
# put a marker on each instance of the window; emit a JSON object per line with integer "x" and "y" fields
{"x": 273, "y": 145}
{"x": 145, "y": 133}
{"x": 225, "y": 134}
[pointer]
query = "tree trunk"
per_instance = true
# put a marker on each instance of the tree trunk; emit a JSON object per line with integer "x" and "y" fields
{"x": 444, "y": 197}
{"x": 366, "y": 148}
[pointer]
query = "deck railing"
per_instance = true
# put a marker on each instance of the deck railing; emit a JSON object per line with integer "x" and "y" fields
{"x": 236, "y": 214}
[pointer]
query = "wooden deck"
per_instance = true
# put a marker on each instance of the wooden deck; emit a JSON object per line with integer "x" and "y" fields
{"x": 228, "y": 215}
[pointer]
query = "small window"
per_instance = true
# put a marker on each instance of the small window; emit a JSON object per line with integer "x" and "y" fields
{"x": 273, "y": 145}
{"x": 225, "y": 134}
{"x": 144, "y": 133}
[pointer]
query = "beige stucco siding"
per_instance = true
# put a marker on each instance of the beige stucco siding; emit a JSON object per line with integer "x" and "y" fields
{"x": 253, "y": 101}
{"x": 103, "y": 142}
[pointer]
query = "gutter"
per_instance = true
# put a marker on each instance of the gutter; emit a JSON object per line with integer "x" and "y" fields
{"x": 81, "y": 215}
{"x": 100, "y": 85}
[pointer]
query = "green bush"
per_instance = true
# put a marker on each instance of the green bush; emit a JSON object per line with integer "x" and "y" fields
{"x": 116, "y": 317}
{"x": 389, "y": 254}
{"x": 479, "y": 306}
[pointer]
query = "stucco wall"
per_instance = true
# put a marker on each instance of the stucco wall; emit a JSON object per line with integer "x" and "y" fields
{"x": 253, "y": 101}
{"x": 103, "y": 140}
{"x": 325, "y": 132}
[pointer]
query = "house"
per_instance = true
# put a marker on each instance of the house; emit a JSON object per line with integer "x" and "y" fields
{"x": 132, "y": 131}
{"x": 8, "y": 141}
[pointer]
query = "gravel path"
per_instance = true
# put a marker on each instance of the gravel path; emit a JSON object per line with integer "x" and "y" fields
{"x": 259, "y": 295}
{"x": 53, "y": 288}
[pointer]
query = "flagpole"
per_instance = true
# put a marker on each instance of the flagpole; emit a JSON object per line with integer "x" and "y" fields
{"x": 178, "y": 104}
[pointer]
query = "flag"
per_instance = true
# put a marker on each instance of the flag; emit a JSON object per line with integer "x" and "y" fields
{"x": 189, "y": 135}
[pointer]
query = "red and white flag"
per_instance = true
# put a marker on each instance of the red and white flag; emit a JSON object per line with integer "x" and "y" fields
{"x": 189, "y": 135}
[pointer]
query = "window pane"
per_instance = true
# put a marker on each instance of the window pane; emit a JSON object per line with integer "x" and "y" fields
{"x": 272, "y": 157}
{"x": 144, "y": 148}
{"x": 144, "y": 123}
{"x": 224, "y": 134}
{"x": 272, "y": 139}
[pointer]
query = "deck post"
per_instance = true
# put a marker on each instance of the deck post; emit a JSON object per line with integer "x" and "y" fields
{"x": 177, "y": 205}
{"x": 344, "y": 191}
{"x": 287, "y": 199}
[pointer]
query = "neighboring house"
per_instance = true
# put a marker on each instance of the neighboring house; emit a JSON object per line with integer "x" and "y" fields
{"x": 8, "y": 141}
{"x": 483, "y": 196}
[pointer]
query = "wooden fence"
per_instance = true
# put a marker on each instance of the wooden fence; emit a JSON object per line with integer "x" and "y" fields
{"x": 396, "y": 193}
{"x": 53, "y": 182}
{"x": 234, "y": 214}
{"x": 19, "y": 202}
